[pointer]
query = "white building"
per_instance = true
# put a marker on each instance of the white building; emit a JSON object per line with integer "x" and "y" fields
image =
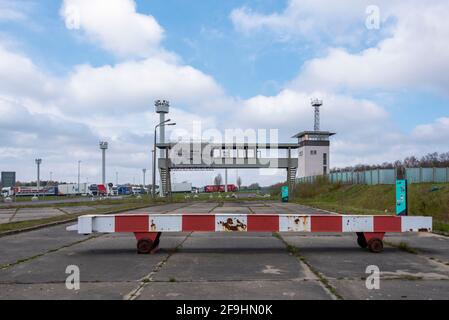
{"x": 314, "y": 153}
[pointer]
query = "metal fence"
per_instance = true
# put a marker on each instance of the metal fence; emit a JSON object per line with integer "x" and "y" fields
{"x": 384, "y": 176}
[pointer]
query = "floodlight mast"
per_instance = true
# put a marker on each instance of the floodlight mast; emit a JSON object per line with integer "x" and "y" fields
{"x": 162, "y": 107}
{"x": 38, "y": 163}
{"x": 103, "y": 147}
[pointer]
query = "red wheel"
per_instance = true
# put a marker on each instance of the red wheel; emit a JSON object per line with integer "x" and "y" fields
{"x": 144, "y": 246}
{"x": 375, "y": 245}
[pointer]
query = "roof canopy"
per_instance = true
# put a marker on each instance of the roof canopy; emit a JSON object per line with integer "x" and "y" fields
{"x": 315, "y": 133}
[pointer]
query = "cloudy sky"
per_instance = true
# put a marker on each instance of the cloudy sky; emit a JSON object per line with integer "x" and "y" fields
{"x": 75, "y": 72}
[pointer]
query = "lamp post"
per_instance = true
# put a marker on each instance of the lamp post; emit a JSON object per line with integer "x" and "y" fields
{"x": 144, "y": 171}
{"x": 38, "y": 163}
{"x": 79, "y": 171}
{"x": 164, "y": 123}
{"x": 103, "y": 147}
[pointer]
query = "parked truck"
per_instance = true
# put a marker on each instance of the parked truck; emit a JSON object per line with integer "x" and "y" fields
{"x": 211, "y": 189}
{"x": 183, "y": 187}
{"x": 7, "y": 192}
{"x": 33, "y": 191}
{"x": 73, "y": 189}
{"x": 98, "y": 190}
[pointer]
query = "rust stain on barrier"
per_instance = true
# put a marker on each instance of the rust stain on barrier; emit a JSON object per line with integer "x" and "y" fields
{"x": 231, "y": 227}
{"x": 298, "y": 223}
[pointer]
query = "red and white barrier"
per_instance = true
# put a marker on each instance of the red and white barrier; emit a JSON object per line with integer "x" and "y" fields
{"x": 147, "y": 227}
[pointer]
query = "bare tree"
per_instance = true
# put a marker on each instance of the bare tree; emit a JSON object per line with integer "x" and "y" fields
{"x": 430, "y": 160}
{"x": 218, "y": 180}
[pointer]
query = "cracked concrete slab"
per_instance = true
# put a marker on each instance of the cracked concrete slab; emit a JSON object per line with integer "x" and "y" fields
{"x": 36, "y": 213}
{"x": 107, "y": 258}
{"x": 235, "y": 290}
{"x": 393, "y": 290}
{"x": 340, "y": 257}
{"x": 52, "y": 291}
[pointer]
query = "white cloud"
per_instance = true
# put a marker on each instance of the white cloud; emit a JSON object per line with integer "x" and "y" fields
{"x": 412, "y": 54}
{"x": 132, "y": 86}
{"x": 13, "y": 11}
{"x": 115, "y": 25}
{"x": 414, "y": 57}
{"x": 21, "y": 77}
{"x": 316, "y": 20}
{"x": 433, "y": 134}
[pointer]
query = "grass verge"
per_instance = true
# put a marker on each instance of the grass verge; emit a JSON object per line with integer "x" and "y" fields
{"x": 424, "y": 200}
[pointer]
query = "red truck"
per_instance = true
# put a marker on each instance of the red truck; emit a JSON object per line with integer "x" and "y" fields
{"x": 98, "y": 190}
{"x": 211, "y": 189}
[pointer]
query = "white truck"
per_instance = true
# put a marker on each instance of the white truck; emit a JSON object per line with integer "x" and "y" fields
{"x": 73, "y": 189}
{"x": 7, "y": 192}
{"x": 183, "y": 187}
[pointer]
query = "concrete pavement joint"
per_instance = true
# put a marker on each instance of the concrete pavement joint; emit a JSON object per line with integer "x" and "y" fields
{"x": 149, "y": 278}
{"x": 219, "y": 205}
{"x": 309, "y": 268}
{"x": 63, "y": 211}
{"x": 9, "y": 265}
{"x": 14, "y": 214}
{"x": 180, "y": 207}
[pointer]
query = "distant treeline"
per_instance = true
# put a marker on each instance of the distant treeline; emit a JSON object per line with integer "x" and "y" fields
{"x": 431, "y": 160}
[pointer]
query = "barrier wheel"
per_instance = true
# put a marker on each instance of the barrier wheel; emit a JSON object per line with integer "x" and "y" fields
{"x": 375, "y": 245}
{"x": 361, "y": 241}
{"x": 144, "y": 246}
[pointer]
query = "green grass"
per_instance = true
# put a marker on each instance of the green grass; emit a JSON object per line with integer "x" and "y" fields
{"x": 88, "y": 202}
{"x": 46, "y": 198}
{"x": 403, "y": 247}
{"x": 424, "y": 199}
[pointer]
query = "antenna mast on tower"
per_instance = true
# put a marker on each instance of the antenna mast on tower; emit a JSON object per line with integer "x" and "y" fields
{"x": 316, "y": 103}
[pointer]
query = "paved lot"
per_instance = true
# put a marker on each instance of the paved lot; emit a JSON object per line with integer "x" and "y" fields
{"x": 220, "y": 266}
{"x": 27, "y": 214}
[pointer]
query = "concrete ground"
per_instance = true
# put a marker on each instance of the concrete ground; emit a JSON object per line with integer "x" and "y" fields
{"x": 197, "y": 266}
{"x": 28, "y": 214}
